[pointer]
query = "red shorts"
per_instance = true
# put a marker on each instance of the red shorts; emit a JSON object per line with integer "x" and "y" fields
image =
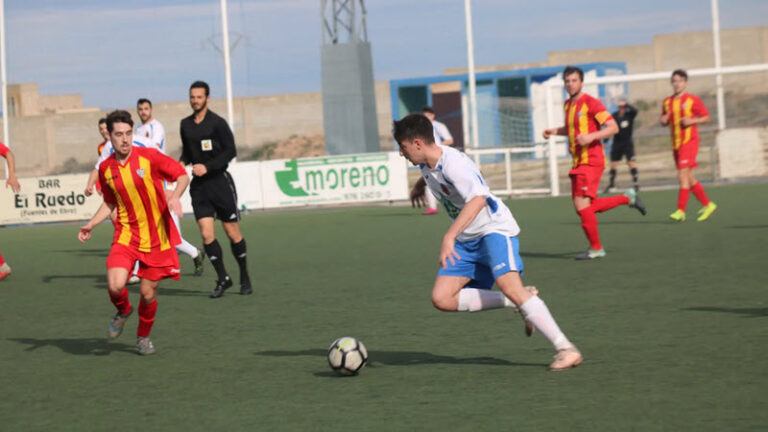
{"x": 152, "y": 265}
{"x": 585, "y": 180}
{"x": 685, "y": 156}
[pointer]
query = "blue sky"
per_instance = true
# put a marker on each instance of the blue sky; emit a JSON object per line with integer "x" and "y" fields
{"x": 114, "y": 52}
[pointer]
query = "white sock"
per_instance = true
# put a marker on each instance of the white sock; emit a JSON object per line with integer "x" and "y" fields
{"x": 184, "y": 247}
{"x": 537, "y": 313}
{"x": 135, "y": 269}
{"x": 475, "y": 299}
{"x": 431, "y": 200}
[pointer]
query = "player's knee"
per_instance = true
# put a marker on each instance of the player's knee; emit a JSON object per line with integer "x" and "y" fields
{"x": 148, "y": 297}
{"x": 444, "y": 302}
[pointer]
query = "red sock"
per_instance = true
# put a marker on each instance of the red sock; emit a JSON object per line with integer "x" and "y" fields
{"x": 600, "y": 205}
{"x": 682, "y": 199}
{"x": 121, "y": 301}
{"x": 698, "y": 190}
{"x": 2, "y": 261}
{"x": 589, "y": 224}
{"x": 146, "y": 317}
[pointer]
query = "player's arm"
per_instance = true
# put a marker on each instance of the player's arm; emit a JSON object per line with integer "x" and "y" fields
{"x": 185, "y": 156}
{"x": 462, "y": 221}
{"x": 12, "y": 181}
{"x": 101, "y": 214}
{"x": 664, "y": 119}
{"x": 610, "y": 128}
{"x": 445, "y": 134}
{"x": 631, "y": 111}
{"x": 417, "y": 193}
{"x": 700, "y": 115}
{"x": 92, "y": 179}
{"x": 172, "y": 171}
{"x": 555, "y": 131}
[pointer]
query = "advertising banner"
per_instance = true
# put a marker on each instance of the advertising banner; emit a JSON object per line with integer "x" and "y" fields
{"x": 48, "y": 199}
{"x": 334, "y": 179}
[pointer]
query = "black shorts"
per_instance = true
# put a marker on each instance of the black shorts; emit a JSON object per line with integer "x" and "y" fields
{"x": 619, "y": 149}
{"x": 215, "y": 197}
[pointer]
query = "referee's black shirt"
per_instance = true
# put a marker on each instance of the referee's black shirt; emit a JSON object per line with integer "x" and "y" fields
{"x": 625, "y": 124}
{"x": 210, "y": 143}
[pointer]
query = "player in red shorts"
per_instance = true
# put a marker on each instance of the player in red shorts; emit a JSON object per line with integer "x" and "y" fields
{"x": 682, "y": 112}
{"x": 13, "y": 183}
{"x": 132, "y": 182}
{"x": 587, "y": 123}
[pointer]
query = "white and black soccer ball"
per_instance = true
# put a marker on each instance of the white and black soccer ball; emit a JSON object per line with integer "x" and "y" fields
{"x": 347, "y": 356}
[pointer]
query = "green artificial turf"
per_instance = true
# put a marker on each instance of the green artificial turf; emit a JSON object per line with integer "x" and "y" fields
{"x": 673, "y": 324}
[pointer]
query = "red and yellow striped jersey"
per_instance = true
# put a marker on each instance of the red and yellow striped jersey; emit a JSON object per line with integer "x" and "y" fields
{"x": 583, "y": 116}
{"x": 678, "y": 107}
{"x": 100, "y": 148}
{"x": 136, "y": 187}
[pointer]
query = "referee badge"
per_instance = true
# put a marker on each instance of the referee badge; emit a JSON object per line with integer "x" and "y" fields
{"x": 140, "y": 172}
{"x": 206, "y": 145}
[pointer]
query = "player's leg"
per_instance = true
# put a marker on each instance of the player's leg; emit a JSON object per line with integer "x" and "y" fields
{"x": 215, "y": 256}
{"x": 188, "y": 249}
{"x": 134, "y": 279}
{"x": 684, "y": 179}
{"x": 119, "y": 264}
{"x": 431, "y": 202}
{"x": 707, "y": 207}
{"x": 582, "y": 204}
{"x": 615, "y": 159}
{"x": 239, "y": 250}
{"x": 5, "y": 269}
{"x": 147, "y": 312}
{"x": 537, "y": 313}
{"x": 631, "y": 162}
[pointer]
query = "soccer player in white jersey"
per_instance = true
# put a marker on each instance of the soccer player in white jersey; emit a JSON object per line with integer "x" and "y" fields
{"x": 154, "y": 132}
{"x": 480, "y": 247}
{"x": 149, "y": 127}
{"x": 442, "y": 136}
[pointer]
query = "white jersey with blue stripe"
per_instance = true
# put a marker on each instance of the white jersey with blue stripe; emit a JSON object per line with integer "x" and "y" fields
{"x": 455, "y": 180}
{"x": 154, "y": 132}
{"x": 138, "y": 141}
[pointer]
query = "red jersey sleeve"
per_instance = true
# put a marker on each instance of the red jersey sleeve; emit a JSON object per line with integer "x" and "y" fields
{"x": 109, "y": 196}
{"x": 665, "y": 105}
{"x": 169, "y": 169}
{"x": 699, "y": 110}
{"x": 597, "y": 109}
{"x": 3, "y": 150}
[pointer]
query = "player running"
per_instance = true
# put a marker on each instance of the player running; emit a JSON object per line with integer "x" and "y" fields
{"x": 587, "y": 123}
{"x": 13, "y": 183}
{"x": 132, "y": 184}
{"x": 154, "y": 132}
{"x": 683, "y": 112}
{"x": 481, "y": 245}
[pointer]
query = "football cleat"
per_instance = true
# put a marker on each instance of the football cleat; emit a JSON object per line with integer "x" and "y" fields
{"x": 134, "y": 279}
{"x": 144, "y": 346}
{"x": 590, "y": 254}
{"x": 706, "y": 211}
{"x": 430, "y": 211}
{"x": 609, "y": 189}
{"x": 566, "y": 359}
{"x": 245, "y": 285}
{"x": 678, "y": 216}
{"x": 198, "y": 260}
{"x": 5, "y": 271}
{"x": 635, "y": 202}
{"x": 117, "y": 324}
{"x": 221, "y": 286}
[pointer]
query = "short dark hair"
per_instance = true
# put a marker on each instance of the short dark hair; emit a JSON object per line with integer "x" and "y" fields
{"x": 118, "y": 116}
{"x": 427, "y": 109}
{"x": 681, "y": 73}
{"x": 102, "y": 121}
{"x": 202, "y": 85}
{"x": 569, "y": 70}
{"x": 413, "y": 126}
{"x": 144, "y": 101}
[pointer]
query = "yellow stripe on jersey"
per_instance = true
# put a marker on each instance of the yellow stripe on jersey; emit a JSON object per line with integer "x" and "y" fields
{"x": 571, "y": 113}
{"x": 122, "y": 214}
{"x": 162, "y": 233}
{"x": 688, "y": 107}
{"x": 676, "y": 124}
{"x": 126, "y": 173}
{"x": 584, "y": 129}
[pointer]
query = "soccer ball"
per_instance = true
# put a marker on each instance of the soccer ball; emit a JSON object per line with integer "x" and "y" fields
{"x": 347, "y": 356}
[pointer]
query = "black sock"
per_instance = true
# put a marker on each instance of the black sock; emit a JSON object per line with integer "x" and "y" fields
{"x": 634, "y": 174}
{"x": 239, "y": 251}
{"x": 613, "y": 178}
{"x": 214, "y": 256}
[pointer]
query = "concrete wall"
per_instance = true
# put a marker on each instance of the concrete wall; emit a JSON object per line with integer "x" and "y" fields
{"x": 44, "y": 142}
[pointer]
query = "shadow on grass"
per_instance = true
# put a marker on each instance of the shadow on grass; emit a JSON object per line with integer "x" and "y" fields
{"x": 402, "y": 358}
{"x": 747, "y": 226}
{"x": 750, "y": 312}
{"x": 83, "y": 346}
{"x": 99, "y": 281}
{"x": 561, "y": 255}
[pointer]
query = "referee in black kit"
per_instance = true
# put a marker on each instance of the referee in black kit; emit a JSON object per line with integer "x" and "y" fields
{"x": 208, "y": 144}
